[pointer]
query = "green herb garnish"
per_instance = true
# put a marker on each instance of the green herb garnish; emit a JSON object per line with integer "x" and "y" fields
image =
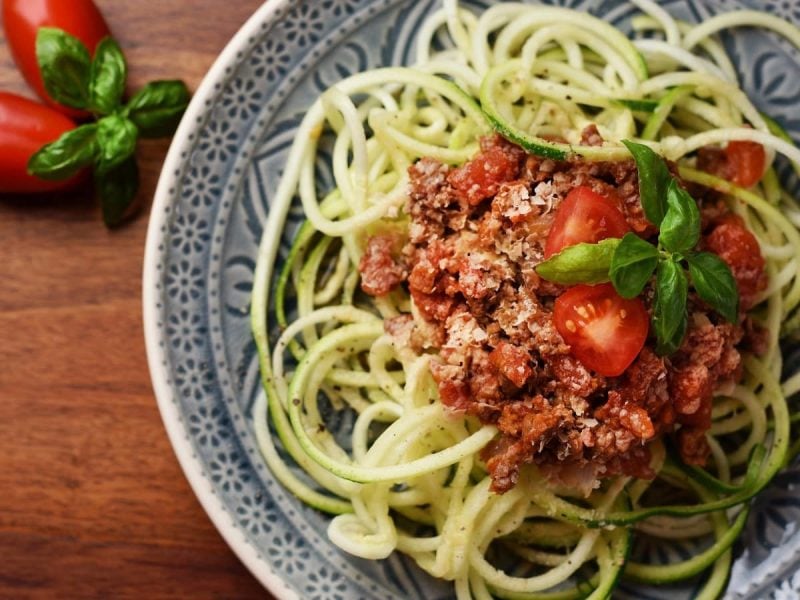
{"x": 72, "y": 78}
{"x": 581, "y": 263}
{"x": 632, "y": 265}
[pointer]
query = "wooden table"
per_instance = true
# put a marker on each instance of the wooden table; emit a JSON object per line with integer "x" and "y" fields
{"x": 93, "y": 503}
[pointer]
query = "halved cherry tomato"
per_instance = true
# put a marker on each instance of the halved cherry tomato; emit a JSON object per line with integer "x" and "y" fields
{"x": 746, "y": 162}
{"x": 22, "y": 20}
{"x": 26, "y": 126}
{"x": 584, "y": 216}
{"x": 605, "y": 331}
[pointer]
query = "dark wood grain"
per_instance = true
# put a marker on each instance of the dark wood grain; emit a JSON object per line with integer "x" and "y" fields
{"x": 93, "y": 503}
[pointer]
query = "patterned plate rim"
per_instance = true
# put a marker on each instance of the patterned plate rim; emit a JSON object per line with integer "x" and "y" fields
{"x": 159, "y": 373}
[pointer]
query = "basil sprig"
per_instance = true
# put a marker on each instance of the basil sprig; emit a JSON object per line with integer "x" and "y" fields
{"x": 630, "y": 263}
{"x": 97, "y": 85}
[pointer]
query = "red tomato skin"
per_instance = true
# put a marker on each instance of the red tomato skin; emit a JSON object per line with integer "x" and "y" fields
{"x": 623, "y": 335}
{"x": 738, "y": 247}
{"x": 26, "y": 126}
{"x": 480, "y": 178}
{"x": 746, "y": 161}
{"x": 584, "y": 216}
{"x": 22, "y": 20}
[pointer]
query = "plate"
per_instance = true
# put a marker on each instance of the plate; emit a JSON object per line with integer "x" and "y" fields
{"x": 210, "y": 207}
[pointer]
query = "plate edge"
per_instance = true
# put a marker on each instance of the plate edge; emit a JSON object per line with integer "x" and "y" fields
{"x": 170, "y": 416}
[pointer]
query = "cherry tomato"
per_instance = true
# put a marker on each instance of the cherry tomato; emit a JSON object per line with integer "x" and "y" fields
{"x": 738, "y": 247}
{"x": 26, "y": 126}
{"x": 746, "y": 162}
{"x": 22, "y": 20}
{"x": 584, "y": 216}
{"x": 605, "y": 331}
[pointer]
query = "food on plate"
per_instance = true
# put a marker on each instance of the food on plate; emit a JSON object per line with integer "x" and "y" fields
{"x": 535, "y": 320}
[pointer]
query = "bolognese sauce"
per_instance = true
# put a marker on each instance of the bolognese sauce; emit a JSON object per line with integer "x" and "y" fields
{"x": 500, "y": 351}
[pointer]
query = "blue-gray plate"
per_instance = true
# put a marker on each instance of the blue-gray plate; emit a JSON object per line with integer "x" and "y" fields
{"x": 209, "y": 211}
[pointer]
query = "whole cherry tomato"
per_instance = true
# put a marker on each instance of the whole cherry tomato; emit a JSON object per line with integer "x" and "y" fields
{"x": 738, "y": 247}
{"x": 746, "y": 162}
{"x": 22, "y": 20}
{"x": 605, "y": 331}
{"x": 26, "y": 126}
{"x": 584, "y": 216}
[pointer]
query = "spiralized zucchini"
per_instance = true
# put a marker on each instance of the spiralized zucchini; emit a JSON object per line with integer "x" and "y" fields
{"x": 408, "y": 476}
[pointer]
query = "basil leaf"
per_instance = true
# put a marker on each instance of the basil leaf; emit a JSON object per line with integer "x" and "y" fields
{"x": 581, "y": 263}
{"x": 63, "y": 158}
{"x": 654, "y": 179}
{"x": 116, "y": 137}
{"x": 669, "y": 307}
{"x": 65, "y": 65}
{"x": 157, "y": 108}
{"x": 632, "y": 265}
{"x": 116, "y": 190}
{"x": 680, "y": 230}
{"x": 108, "y": 75}
{"x": 715, "y": 284}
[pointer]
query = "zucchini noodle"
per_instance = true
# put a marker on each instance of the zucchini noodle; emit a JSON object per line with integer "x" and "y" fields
{"x": 407, "y": 476}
